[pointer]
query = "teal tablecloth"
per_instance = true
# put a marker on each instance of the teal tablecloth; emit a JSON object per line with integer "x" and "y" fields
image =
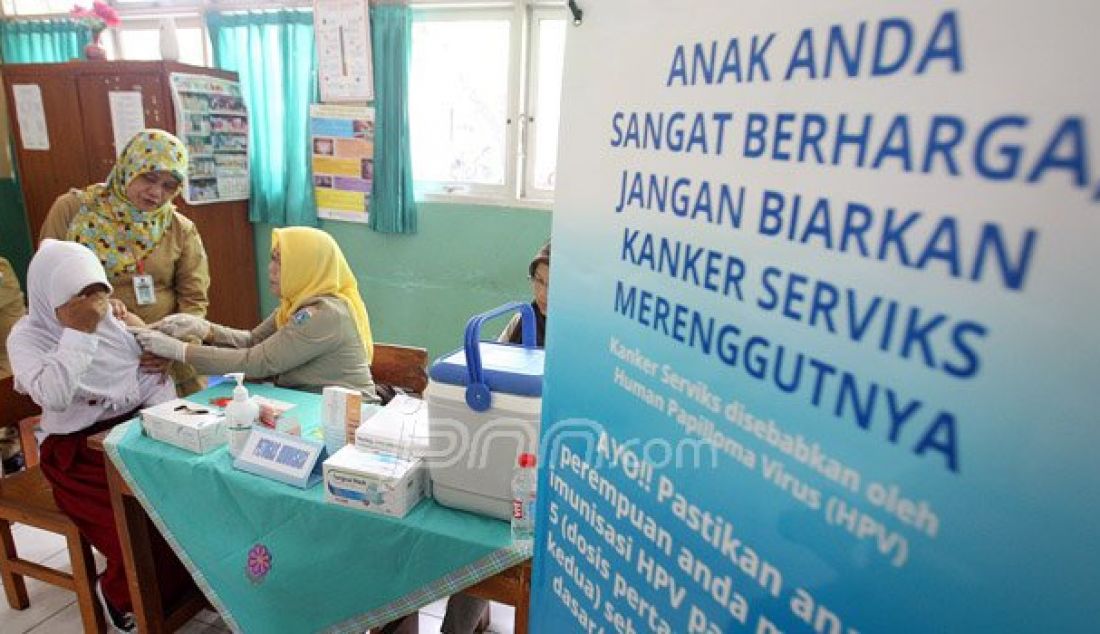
{"x": 274, "y": 558}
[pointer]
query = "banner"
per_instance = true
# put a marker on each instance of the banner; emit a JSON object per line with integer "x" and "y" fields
{"x": 822, "y": 347}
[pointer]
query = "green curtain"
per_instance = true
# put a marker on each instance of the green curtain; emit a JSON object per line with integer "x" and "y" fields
{"x": 274, "y": 55}
{"x": 42, "y": 41}
{"x": 392, "y": 207}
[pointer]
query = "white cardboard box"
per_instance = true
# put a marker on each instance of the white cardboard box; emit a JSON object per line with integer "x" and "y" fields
{"x": 372, "y": 481}
{"x": 185, "y": 424}
{"x": 400, "y": 428}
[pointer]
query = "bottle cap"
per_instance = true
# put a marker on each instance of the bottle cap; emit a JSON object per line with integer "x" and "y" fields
{"x": 527, "y": 460}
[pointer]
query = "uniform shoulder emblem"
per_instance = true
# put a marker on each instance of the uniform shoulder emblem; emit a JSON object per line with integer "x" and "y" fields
{"x": 302, "y": 316}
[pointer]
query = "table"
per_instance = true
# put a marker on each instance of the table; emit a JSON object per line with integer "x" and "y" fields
{"x": 510, "y": 585}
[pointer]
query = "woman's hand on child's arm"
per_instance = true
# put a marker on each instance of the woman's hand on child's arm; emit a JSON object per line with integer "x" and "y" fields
{"x": 152, "y": 364}
{"x": 160, "y": 344}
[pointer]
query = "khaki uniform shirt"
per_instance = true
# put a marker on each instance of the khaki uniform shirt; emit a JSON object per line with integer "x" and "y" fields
{"x": 11, "y": 309}
{"x": 319, "y": 346}
{"x": 178, "y": 264}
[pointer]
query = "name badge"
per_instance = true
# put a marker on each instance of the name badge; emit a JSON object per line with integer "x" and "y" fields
{"x": 144, "y": 291}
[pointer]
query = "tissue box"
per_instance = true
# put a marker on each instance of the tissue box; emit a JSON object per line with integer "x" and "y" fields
{"x": 185, "y": 424}
{"x": 399, "y": 428}
{"x": 376, "y": 482}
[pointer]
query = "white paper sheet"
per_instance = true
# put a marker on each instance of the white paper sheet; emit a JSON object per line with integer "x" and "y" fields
{"x": 127, "y": 116}
{"x": 31, "y": 116}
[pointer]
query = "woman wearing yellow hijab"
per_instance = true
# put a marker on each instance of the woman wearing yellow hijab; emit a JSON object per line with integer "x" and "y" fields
{"x": 319, "y": 335}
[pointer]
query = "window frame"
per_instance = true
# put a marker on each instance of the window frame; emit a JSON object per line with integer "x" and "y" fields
{"x": 529, "y": 117}
{"x": 517, "y": 190}
{"x": 451, "y": 190}
{"x": 146, "y": 21}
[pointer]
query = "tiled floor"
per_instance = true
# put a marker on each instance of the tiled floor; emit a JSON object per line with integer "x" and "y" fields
{"x": 53, "y": 610}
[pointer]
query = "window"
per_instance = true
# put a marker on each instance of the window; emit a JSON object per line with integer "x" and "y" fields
{"x": 458, "y": 101}
{"x": 139, "y": 39}
{"x": 36, "y": 7}
{"x": 484, "y": 93}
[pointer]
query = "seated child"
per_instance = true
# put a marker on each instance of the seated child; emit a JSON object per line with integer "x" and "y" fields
{"x": 76, "y": 359}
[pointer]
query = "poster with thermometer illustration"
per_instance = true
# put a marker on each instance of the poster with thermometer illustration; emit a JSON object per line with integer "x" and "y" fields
{"x": 344, "y": 66}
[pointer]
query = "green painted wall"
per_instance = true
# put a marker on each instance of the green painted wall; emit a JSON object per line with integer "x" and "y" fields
{"x": 15, "y": 239}
{"x": 421, "y": 289}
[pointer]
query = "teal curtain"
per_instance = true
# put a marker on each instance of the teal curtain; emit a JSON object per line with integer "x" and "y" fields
{"x": 274, "y": 54}
{"x": 392, "y": 207}
{"x": 42, "y": 41}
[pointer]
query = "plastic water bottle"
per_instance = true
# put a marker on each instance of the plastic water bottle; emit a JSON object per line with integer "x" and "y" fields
{"x": 523, "y": 501}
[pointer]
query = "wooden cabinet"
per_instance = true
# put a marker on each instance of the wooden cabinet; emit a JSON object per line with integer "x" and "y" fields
{"x": 82, "y": 151}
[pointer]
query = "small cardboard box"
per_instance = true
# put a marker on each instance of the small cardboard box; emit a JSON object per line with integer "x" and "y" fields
{"x": 399, "y": 428}
{"x": 372, "y": 481}
{"x": 341, "y": 407}
{"x": 185, "y": 424}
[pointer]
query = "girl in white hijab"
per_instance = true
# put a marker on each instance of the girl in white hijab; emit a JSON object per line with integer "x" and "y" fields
{"x": 81, "y": 365}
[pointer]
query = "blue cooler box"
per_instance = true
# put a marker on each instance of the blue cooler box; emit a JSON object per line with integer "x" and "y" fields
{"x": 484, "y": 404}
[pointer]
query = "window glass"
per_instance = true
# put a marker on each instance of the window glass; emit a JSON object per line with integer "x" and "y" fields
{"x": 139, "y": 44}
{"x": 550, "y": 58}
{"x": 458, "y": 100}
{"x": 191, "y": 45}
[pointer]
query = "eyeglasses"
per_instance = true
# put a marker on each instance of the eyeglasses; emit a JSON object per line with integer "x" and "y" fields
{"x": 538, "y": 282}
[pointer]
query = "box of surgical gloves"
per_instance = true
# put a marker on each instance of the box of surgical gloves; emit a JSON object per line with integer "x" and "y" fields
{"x": 185, "y": 424}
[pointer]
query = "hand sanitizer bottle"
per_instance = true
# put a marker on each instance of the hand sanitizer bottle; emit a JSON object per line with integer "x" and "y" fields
{"x": 240, "y": 414}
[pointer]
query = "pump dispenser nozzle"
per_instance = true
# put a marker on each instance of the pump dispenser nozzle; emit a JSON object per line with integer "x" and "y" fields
{"x": 240, "y": 392}
{"x": 240, "y": 413}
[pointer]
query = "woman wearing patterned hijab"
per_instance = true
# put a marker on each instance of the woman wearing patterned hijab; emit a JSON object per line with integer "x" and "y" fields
{"x": 153, "y": 255}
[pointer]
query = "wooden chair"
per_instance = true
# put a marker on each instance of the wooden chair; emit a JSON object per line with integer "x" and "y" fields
{"x": 26, "y": 497}
{"x": 400, "y": 366}
{"x": 13, "y": 405}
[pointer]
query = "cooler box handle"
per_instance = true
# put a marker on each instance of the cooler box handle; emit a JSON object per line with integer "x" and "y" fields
{"x": 478, "y": 395}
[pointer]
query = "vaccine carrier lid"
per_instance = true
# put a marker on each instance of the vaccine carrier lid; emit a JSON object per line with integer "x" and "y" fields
{"x": 484, "y": 367}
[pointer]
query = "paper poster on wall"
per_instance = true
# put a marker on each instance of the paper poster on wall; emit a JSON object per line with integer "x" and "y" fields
{"x": 343, "y": 160}
{"x": 127, "y": 116}
{"x": 212, "y": 120}
{"x": 31, "y": 115}
{"x": 822, "y": 354}
{"x": 344, "y": 67}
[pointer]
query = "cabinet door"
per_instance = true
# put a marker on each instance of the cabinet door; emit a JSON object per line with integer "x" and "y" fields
{"x": 46, "y": 174}
{"x": 95, "y": 105}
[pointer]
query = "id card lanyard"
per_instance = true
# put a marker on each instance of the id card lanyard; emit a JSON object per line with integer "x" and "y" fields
{"x": 143, "y": 286}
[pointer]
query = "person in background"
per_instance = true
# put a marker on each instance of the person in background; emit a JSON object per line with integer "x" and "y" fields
{"x": 153, "y": 254}
{"x": 11, "y": 309}
{"x": 78, "y": 362}
{"x": 538, "y": 271}
{"x": 319, "y": 335}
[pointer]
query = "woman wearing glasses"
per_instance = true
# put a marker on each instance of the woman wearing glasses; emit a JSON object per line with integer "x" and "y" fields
{"x": 538, "y": 271}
